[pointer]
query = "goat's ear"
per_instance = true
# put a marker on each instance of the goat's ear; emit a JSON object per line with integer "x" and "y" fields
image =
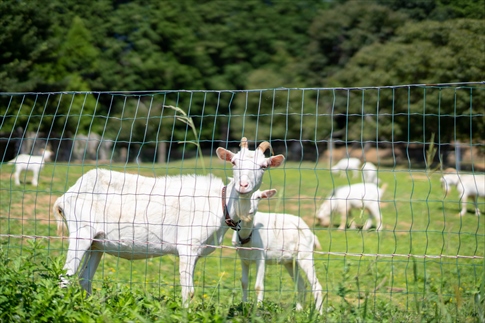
{"x": 224, "y": 154}
{"x": 268, "y": 193}
{"x": 276, "y": 161}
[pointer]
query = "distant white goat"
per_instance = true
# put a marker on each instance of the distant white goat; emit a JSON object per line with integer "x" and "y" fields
{"x": 347, "y": 164}
{"x": 275, "y": 238}
{"x": 467, "y": 186}
{"x": 357, "y": 196}
{"x": 369, "y": 173}
{"x": 136, "y": 217}
{"x": 26, "y": 163}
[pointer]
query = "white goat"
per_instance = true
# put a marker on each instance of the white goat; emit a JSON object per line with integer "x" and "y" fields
{"x": 26, "y": 163}
{"x": 347, "y": 164}
{"x": 136, "y": 217}
{"x": 369, "y": 173}
{"x": 273, "y": 238}
{"x": 467, "y": 186}
{"x": 357, "y": 196}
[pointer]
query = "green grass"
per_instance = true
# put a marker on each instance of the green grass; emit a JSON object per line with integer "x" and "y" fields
{"x": 426, "y": 264}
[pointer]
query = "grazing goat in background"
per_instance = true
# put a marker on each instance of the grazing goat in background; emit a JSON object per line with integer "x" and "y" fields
{"x": 357, "y": 196}
{"x": 137, "y": 217}
{"x": 369, "y": 173}
{"x": 275, "y": 238}
{"x": 26, "y": 163}
{"x": 467, "y": 186}
{"x": 347, "y": 164}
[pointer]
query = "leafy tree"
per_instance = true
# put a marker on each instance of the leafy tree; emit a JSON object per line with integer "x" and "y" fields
{"x": 26, "y": 41}
{"x": 333, "y": 42}
{"x": 424, "y": 52}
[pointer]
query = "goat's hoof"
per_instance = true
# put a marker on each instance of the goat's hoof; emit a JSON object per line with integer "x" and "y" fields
{"x": 64, "y": 281}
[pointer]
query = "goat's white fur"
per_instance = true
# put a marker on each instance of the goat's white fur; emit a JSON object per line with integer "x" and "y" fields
{"x": 347, "y": 164}
{"x": 369, "y": 173}
{"x": 467, "y": 186}
{"x": 26, "y": 163}
{"x": 357, "y": 196}
{"x": 136, "y": 217}
{"x": 277, "y": 239}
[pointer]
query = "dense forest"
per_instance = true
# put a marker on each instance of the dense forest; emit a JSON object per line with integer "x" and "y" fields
{"x": 229, "y": 46}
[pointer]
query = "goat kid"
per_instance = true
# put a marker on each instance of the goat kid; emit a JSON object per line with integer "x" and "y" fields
{"x": 26, "y": 163}
{"x": 275, "y": 238}
{"x": 347, "y": 164}
{"x": 467, "y": 186}
{"x": 369, "y": 173}
{"x": 137, "y": 217}
{"x": 357, "y": 196}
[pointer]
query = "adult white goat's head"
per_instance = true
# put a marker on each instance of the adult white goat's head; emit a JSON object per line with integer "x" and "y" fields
{"x": 46, "y": 153}
{"x": 448, "y": 179}
{"x": 324, "y": 213}
{"x": 249, "y": 165}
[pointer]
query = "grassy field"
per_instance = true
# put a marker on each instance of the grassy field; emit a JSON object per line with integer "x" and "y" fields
{"x": 426, "y": 264}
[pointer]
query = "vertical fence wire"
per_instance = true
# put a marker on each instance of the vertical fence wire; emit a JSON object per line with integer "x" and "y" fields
{"x": 424, "y": 250}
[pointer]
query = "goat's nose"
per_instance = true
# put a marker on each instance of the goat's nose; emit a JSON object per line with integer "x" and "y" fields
{"x": 244, "y": 184}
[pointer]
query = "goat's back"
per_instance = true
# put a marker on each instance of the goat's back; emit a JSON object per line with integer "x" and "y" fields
{"x": 26, "y": 159}
{"x": 282, "y": 237}
{"x": 108, "y": 200}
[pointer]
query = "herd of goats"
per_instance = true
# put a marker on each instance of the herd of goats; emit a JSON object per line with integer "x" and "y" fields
{"x": 137, "y": 217}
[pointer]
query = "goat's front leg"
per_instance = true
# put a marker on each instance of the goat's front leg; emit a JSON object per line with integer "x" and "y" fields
{"x": 260, "y": 272}
{"x": 343, "y": 220}
{"x": 464, "y": 198}
{"x": 244, "y": 280}
{"x": 17, "y": 176}
{"x": 35, "y": 177}
{"x": 475, "y": 202}
{"x": 187, "y": 264}
{"x": 88, "y": 269}
{"x": 79, "y": 243}
{"x": 294, "y": 272}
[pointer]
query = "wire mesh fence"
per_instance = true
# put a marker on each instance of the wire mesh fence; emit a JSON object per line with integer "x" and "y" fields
{"x": 398, "y": 238}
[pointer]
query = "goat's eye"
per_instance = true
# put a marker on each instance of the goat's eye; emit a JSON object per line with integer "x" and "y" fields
{"x": 264, "y": 166}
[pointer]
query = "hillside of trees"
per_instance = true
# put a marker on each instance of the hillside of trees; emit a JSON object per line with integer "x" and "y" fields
{"x": 228, "y": 46}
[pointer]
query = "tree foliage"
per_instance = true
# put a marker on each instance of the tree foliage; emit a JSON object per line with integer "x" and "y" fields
{"x": 58, "y": 46}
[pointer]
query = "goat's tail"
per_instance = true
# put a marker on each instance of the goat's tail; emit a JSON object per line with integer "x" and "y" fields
{"x": 59, "y": 215}
{"x": 383, "y": 188}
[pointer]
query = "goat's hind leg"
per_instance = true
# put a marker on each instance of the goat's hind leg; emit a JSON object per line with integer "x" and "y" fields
{"x": 307, "y": 265}
{"x": 475, "y": 203}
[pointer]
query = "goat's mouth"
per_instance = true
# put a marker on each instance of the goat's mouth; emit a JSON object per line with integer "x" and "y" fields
{"x": 245, "y": 190}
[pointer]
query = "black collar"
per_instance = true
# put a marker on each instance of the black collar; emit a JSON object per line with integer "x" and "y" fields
{"x": 245, "y": 240}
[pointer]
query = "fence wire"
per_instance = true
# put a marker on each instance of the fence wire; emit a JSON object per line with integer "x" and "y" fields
{"x": 419, "y": 137}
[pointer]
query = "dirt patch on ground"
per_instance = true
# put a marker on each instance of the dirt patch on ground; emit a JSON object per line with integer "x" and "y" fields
{"x": 33, "y": 207}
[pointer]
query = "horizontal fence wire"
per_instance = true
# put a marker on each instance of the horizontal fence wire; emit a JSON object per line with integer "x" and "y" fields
{"x": 346, "y": 254}
{"x": 403, "y": 222}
